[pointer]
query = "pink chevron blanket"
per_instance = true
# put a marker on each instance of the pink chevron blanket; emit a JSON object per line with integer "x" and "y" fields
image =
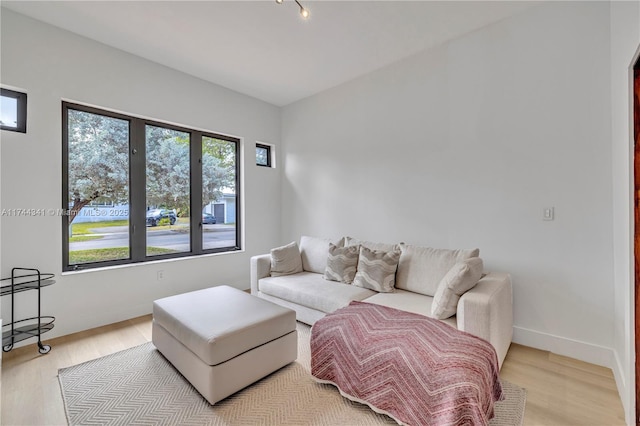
{"x": 415, "y": 369}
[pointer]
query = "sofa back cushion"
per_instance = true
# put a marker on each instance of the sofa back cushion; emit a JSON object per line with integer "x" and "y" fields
{"x": 371, "y": 245}
{"x": 422, "y": 268}
{"x": 314, "y": 252}
{"x": 286, "y": 260}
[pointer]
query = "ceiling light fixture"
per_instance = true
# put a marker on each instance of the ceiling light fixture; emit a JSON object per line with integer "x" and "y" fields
{"x": 303, "y": 12}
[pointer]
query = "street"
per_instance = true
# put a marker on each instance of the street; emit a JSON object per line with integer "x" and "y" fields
{"x": 214, "y": 236}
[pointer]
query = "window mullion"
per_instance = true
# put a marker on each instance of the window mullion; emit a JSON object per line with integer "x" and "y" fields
{"x": 196, "y": 192}
{"x": 137, "y": 202}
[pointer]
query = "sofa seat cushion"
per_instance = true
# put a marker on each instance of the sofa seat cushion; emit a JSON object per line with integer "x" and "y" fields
{"x": 313, "y": 291}
{"x": 410, "y": 302}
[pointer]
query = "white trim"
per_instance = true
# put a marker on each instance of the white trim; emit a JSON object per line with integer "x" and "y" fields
{"x": 588, "y": 352}
{"x": 621, "y": 385}
{"x": 150, "y": 262}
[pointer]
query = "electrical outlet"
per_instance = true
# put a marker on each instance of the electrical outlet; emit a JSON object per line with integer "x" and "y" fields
{"x": 160, "y": 275}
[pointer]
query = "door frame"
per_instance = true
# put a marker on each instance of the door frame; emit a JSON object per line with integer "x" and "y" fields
{"x": 634, "y": 130}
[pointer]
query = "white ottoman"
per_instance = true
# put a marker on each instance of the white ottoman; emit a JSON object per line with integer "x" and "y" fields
{"x": 222, "y": 339}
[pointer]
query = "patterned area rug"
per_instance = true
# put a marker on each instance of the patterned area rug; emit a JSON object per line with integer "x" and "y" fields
{"x": 138, "y": 386}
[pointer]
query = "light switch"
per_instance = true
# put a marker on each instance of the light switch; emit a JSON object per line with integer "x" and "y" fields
{"x": 547, "y": 213}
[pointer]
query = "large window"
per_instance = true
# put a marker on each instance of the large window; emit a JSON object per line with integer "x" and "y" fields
{"x": 137, "y": 190}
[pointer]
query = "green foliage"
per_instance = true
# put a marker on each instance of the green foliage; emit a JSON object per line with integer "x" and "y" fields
{"x": 99, "y": 164}
{"x": 98, "y": 157}
{"x": 168, "y": 169}
{"x": 218, "y": 168}
{"x": 85, "y": 228}
{"x": 82, "y": 238}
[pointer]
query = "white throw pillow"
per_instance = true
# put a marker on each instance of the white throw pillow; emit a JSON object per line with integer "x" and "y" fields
{"x": 421, "y": 268}
{"x": 285, "y": 260}
{"x": 377, "y": 270}
{"x": 314, "y": 252}
{"x": 342, "y": 263}
{"x": 462, "y": 277}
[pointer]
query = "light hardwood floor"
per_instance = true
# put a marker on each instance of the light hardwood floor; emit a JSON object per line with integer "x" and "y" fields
{"x": 560, "y": 390}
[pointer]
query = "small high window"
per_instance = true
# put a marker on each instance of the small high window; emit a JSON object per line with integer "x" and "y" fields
{"x": 263, "y": 155}
{"x": 13, "y": 111}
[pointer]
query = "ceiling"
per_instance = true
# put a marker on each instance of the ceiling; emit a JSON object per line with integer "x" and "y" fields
{"x": 266, "y": 50}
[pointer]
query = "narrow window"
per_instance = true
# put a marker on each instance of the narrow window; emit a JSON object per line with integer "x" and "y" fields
{"x": 97, "y": 173}
{"x": 219, "y": 193}
{"x": 13, "y": 108}
{"x": 263, "y": 155}
{"x": 168, "y": 187}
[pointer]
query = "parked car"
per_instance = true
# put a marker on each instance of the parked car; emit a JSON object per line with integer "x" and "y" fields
{"x": 155, "y": 215}
{"x": 208, "y": 219}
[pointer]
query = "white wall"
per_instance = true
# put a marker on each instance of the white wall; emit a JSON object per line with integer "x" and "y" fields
{"x": 625, "y": 45}
{"x": 52, "y": 64}
{"x": 463, "y": 146}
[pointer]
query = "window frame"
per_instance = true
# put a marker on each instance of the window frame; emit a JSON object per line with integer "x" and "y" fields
{"x": 268, "y": 148}
{"x": 21, "y": 110}
{"x": 137, "y": 190}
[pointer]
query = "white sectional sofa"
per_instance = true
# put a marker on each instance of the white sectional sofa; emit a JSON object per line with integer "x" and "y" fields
{"x": 427, "y": 281}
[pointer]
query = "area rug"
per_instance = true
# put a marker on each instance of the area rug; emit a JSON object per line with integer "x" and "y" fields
{"x": 138, "y": 386}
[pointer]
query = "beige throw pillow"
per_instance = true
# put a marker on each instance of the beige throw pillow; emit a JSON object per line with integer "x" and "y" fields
{"x": 285, "y": 260}
{"x": 377, "y": 270}
{"x": 462, "y": 277}
{"x": 342, "y": 263}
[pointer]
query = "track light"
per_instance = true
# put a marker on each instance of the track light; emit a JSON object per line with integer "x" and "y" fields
{"x": 303, "y": 12}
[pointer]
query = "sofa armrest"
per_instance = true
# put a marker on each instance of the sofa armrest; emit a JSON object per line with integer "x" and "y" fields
{"x": 486, "y": 311}
{"x": 260, "y": 268}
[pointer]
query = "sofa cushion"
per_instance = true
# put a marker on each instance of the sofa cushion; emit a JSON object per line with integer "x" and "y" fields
{"x": 422, "y": 268}
{"x": 371, "y": 245}
{"x": 313, "y": 291}
{"x": 408, "y": 301}
{"x": 314, "y": 252}
{"x": 341, "y": 263}
{"x": 285, "y": 260}
{"x": 377, "y": 269}
{"x": 462, "y": 277}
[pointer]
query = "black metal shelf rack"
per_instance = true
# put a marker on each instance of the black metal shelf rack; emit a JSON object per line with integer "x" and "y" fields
{"x": 25, "y": 279}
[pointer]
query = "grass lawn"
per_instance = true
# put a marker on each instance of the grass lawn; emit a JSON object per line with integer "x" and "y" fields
{"x": 99, "y": 255}
{"x": 84, "y": 228}
{"x": 81, "y": 238}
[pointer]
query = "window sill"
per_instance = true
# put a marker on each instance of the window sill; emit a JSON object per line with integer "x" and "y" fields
{"x": 149, "y": 263}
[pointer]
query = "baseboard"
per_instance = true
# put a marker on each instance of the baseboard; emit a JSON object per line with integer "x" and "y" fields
{"x": 83, "y": 323}
{"x": 626, "y": 394}
{"x": 588, "y": 352}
